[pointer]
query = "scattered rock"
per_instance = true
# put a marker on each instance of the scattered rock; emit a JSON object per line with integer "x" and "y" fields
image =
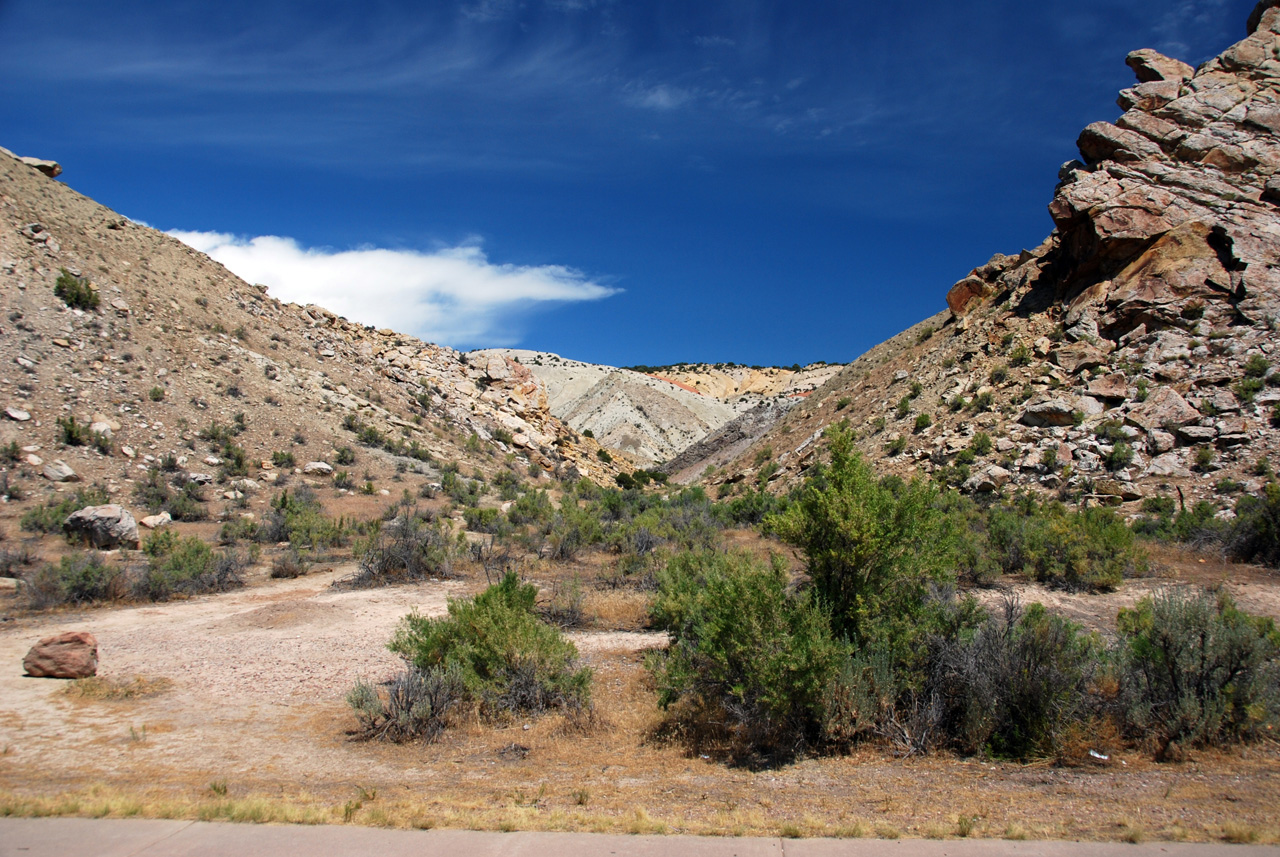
{"x": 73, "y": 654}
{"x": 103, "y": 527}
{"x": 17, "y": 414}
{"x": 1054, "y": 411}
{"x": 317, "y": 468}
{"x": 1164, "y": 408}
{"x": 154, "y": 522}
{"x": 60, "y": 471}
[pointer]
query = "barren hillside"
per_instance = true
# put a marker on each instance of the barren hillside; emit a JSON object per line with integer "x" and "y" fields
{"x": 178, "y": 350}
{"x": 657, "y": 414}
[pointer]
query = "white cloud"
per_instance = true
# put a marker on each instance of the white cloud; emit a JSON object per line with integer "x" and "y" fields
{"x": 663, "y": 97}
{"x": 454, "y": 296}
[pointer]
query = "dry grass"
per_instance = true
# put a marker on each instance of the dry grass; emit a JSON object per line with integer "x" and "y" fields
{"x": 112, "y": 689}
{"x": 616, "y": 609}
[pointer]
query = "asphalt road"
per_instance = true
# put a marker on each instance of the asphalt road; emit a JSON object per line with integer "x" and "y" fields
{"x": 83, "y": 837}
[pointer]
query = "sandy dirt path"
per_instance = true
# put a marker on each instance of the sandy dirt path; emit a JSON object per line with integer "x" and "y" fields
{"x": 250, "y": 671}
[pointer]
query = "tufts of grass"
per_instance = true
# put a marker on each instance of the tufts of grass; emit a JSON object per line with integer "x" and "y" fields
{"x": 110, "y": 689}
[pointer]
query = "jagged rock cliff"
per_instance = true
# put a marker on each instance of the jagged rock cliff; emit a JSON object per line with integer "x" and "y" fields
{"x": 1131, "y": 352}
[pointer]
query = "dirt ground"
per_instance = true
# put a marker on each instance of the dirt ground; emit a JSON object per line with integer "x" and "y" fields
{"x": 252, "y": 725}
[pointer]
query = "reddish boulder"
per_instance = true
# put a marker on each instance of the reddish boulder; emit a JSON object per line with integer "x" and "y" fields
{"x": 73, "y": 654}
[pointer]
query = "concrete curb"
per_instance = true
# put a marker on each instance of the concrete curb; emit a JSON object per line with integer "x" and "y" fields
{"x": 85, "y": 837}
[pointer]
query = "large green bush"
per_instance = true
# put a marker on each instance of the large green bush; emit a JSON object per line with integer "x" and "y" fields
{"x": 77, "y": 579}
{"x": 1195, "y": 670}
{"x": 1074, "y": 549}
{"x": 1014, "y": 685}
{"x": 189, "y": 567}
{"x": 750, "y": 662}
{"x": 1255, "y": 534}
{"x": 505, "y": 656}
{"x": 874, "y": 548}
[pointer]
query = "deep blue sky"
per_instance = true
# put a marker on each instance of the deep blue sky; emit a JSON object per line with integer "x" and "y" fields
{"x": 759, "y": 182}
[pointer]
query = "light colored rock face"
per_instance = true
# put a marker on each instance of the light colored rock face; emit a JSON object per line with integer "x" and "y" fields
{"x": 70, "y": 655}
{"x": 317, "y": 468}
{"x": 1136, "y": 321}
{"x": 655, "y": 417}
{"x": 103, "y": 527}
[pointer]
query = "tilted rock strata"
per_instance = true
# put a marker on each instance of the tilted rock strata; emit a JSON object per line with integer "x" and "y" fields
{"x": 1158, "y": 286}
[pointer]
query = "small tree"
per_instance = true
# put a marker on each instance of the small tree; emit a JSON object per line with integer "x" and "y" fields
{"x": 874, "y": 548}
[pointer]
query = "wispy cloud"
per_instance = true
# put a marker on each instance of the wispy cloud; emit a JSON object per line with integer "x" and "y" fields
{"x": 454, "y": 295}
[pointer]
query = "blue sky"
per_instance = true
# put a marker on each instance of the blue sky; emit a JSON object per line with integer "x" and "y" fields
{"x": 620, "y": 182}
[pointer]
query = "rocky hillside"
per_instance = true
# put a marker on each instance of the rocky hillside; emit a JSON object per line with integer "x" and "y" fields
{"x": 166, "y": 348}
{"x": 1132, "y": 353}
{"x": 656, "y": 414}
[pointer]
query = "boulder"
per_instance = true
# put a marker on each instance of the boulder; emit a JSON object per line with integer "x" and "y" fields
{"x": 17, "y": 414}
{"x": 1168, "y": 465}
{"x": 1078, "y": 356}
{"x": 103, "y": 527}
{"x": 317, "y": 468}
{"x": 60, "y": 471}
{"x": 1197, "y": 434}
{"x": 1055, "y": 411}
{"x": 1115, "y": 488}
{"x": 73, "y": 654}
{"x": 155, "y": 522}
{"x": 1114, "y": 386}
{"x": 246, "y": 486}
{"x": 963, "y": 293}
{"x": 1150, "y": 66}
{"x": 1164, "y": 408}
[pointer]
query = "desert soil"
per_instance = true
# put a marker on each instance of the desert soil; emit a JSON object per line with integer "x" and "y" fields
{"x": 255, "y": 701}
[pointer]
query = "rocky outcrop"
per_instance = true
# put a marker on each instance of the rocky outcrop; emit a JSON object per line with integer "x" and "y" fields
{"x": 52, "y": 169}
{"x": 73, "y": 654}
{"x": 1132, "y": 352}
{"x": 103, "y": 527}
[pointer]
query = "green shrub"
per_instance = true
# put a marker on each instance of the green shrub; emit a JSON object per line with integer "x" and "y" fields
{"x": 156, "y": 394}
{"x": 1020, "y": 356}
{"x": 75, "y": 291}
{"x": 156, "y": 495}
{"x": 1196, "y": 671}
{"x": 873, "y": 548}
{"x": 1120, "y": 456}
{"x": 999, "y": 374}
{"x": 1256, "y": 366}
{"x": 923, "y": 421}
{"x": 903, "y": 408}
{"x": 78, "y": 579}
{"x": 72, "y": 433}
{"x": 283, "y": 459}
{"x": 843, "y": 402}
{"x": 482, "y": 520}
{"x": 603, "y": 455}
{"x": 414, "y": 707}
{"x": 916, "y": 389}
{"x": 298, "y": 518}
{"x": 507, "y": 659}
{"x": 1255, "y": 533}
{"x": 189, "y": 568}
{"x": 1015, "y": 685}
{"x": 982, "y": 402}
{"x": 981, "y": 444}
{"x": 405, "y": 549}
{"x": 1247, "y": 388}
{"x": 749, "y": 663}
{"x": 49, "y": 517}
{"x": 1087, "y": 549}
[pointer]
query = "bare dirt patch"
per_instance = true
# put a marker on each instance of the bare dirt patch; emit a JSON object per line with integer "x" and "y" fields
{"x": 252, "y": 726}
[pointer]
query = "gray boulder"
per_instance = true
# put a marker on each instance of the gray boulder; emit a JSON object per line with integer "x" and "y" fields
{"x": 106, "y": 526}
